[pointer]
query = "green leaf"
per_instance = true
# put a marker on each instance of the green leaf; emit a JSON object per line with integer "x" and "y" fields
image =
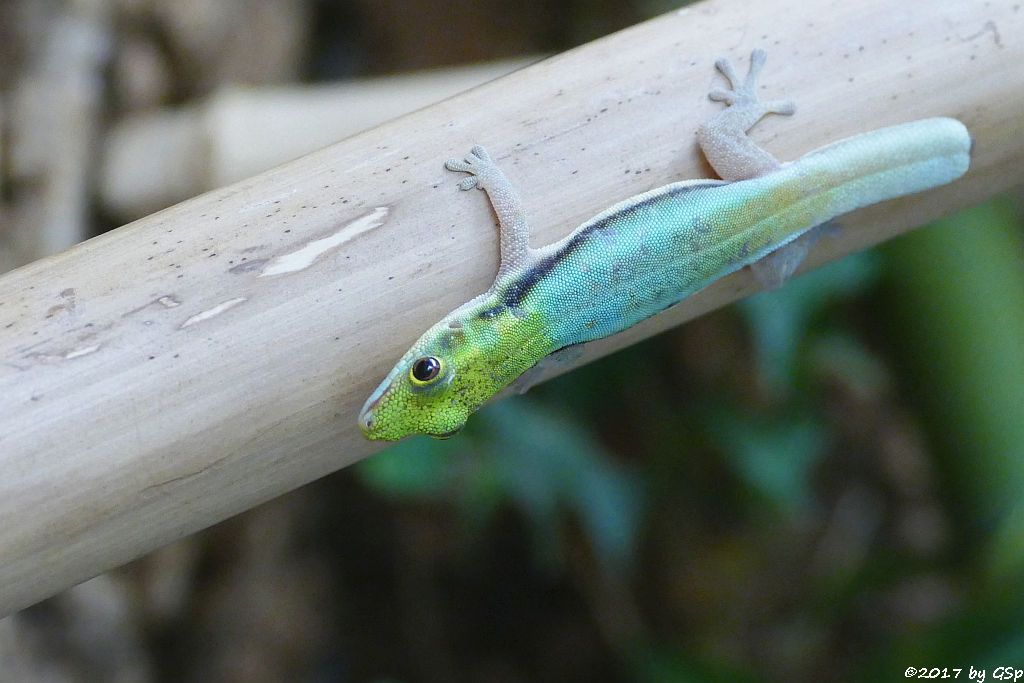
{"x": 781, "y": 320}
{"x": 550, "y": 464}
{"x": 418, "y": 468}
{"x": 774, "y": 455}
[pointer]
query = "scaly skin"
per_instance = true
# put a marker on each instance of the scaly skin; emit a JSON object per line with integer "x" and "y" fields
{"x": 648, "y": 252}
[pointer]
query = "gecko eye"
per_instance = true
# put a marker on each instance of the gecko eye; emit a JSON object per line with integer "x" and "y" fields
{"x": 425, "y": 370}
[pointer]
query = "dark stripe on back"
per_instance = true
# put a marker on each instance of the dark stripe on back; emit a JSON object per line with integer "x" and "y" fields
{"x": 516, "y": 292}
{"x": 489, "y": 313}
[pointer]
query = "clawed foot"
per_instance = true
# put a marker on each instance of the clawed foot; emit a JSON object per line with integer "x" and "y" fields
{"x": 477, "y": 163}
{"x": 743, "y": 92}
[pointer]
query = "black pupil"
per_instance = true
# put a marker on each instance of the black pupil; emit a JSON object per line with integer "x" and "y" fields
{"x": 426, "y": 369}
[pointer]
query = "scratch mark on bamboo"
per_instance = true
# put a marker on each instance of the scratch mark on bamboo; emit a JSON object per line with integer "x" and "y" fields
{"x": 212, "y": 312}
{"x": 81, "y": 351}
{"x": 301, "y": 259}
{"x": 167, "y": 301}
{"x": 57, "y": 356}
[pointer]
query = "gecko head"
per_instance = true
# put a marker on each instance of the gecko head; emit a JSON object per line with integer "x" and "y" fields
{"x": 453, "y": 369}
{"x": 432, "y": 390}
{"x": 415, "y": 398}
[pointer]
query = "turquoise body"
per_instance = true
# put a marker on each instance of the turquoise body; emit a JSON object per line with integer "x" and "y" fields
{"x": 651, "y": 251}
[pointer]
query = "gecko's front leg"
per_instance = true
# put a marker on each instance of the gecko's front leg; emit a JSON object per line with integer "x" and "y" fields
{"x": 515, "y": 233}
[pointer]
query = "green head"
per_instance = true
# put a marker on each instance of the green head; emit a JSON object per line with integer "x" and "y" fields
{"x": 452, "y": 370}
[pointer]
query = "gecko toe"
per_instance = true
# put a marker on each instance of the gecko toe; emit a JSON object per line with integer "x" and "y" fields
{"x": 725, "y": 66}
{"x": 782, "y": 107}
{"x": 726, "y": 96}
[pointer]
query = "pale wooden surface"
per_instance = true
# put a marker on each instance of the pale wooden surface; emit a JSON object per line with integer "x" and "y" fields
{"x": 158, "y": 379}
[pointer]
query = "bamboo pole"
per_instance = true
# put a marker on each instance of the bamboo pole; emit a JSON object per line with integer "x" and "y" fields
{"x": 197, "y": 362}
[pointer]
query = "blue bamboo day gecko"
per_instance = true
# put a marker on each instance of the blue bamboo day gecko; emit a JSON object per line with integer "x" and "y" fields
{"x": 648, "y": 252}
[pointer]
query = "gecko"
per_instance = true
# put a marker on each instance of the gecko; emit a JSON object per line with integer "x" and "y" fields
{"x": 648, "y": 252}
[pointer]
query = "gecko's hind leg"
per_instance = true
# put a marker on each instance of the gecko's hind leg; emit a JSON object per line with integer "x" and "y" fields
{"x": 735, "y": 156}
{"x": 772, "y": 271}
{"x": 724, "y": 140}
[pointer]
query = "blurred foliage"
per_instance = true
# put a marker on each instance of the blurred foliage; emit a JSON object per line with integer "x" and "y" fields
{"x": 775, "y": 453}
{"x": 781, "y": 322}
{"x": 960, "y": 301}
{"x": 519, "y": 454}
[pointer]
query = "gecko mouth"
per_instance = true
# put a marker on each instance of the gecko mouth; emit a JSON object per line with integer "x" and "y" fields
{"x": 366, "y": 422}
{"x": 367, "y": 418}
